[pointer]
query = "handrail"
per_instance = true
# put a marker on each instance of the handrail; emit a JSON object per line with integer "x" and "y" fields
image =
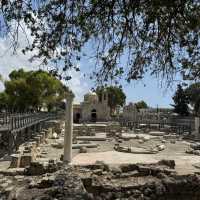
{"x": 20, "y": 120}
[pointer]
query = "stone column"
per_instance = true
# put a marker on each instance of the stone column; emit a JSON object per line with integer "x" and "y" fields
{"x": 68, "y": 128}
{"x": 197, "y": 127}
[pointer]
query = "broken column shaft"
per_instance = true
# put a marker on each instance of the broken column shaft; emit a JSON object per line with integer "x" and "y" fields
{"x": 68, "y": 128}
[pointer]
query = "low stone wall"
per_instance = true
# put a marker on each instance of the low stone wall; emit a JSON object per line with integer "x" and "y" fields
{"x": 28, "y": 151}
{"x": 55, "y": 124}
{"x": 143, "y": 182}
{"x": 91, "y": 129}
{"x": 102, "y": 182}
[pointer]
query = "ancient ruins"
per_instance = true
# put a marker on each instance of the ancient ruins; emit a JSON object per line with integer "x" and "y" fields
{"x": 134, "y": 157}
{"x": 99, "y": 100}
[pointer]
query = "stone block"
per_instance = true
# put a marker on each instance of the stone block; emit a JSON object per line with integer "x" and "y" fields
{"x": 144, "y": 170}
{"x": 55, "y": 135}
{"x": 169, "y": 163}
{"x": 35, "y": 169}
{"x": 15, "y": 160}
{"x": 128, "y": 167}
{"x": 90, "y": 145}
{"x": 172, "y": 141}
{"x": 26, "y": 151}
{"x": 49, "y": 132}
{"x": 13, "y": 171}
{"x": 57, "y": 127}
{"x": 26, "y": 160}
{"x": 87, "y": 181}
{"x": 58, "y": 145}
{"x": 119, "y": 140}
{"x": 196, "y": 152}
{"x": 161, "y": 147}
{"x": 92, "y": 132}
{"x": 61, "y": 157}
{"x": 141, "y": 141}
{"x": 37, "y": 140}
{"x": 41, "y": 138}
{"x": 195, "y": 146}
{"x": 45, "y": 132}
{"x": 157, "y": 133}
{"x": 170, "y": 136}
{"x": 83, "y": 150}
{"x": 28, "y": 147}
{"x": 19, "y": 178}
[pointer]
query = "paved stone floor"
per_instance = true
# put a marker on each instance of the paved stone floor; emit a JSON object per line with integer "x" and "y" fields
{"x": 184, "y": 163}
{"x": 105, "y": 152}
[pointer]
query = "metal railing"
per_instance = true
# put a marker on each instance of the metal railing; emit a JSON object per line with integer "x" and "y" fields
{"x": 174, "y": 127}
{"x": 12, "y": 121}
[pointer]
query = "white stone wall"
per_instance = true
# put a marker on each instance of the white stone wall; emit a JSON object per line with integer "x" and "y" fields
{"x": 102, "y": 111}
{"x": 92, "y": 102}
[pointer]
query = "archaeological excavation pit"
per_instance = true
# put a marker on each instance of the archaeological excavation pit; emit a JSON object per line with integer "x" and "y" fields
{"x": 155, "y": 182}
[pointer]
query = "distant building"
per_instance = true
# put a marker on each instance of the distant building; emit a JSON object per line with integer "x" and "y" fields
{"x": 92, "y": 109}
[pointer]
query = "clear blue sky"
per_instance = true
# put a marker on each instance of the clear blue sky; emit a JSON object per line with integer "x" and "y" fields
{"x": 149, "y": 91}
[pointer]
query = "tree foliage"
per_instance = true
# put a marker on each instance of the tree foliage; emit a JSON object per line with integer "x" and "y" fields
{"x": 141, "y": 104}
{"x": 31, "y": 90}
{"x": 158, "y": 37}
{"x": 193, "y": 93}
{"x": 116, "y": 96}
{"x": 3, "y": 101}
{"x": 181, "y": 102}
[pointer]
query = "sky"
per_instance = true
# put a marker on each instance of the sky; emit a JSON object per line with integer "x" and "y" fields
{"x": 148, "y": 89}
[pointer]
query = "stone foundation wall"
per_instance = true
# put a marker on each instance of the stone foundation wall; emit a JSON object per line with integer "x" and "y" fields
{"x": 89, "y": 129}
{"x": 142, "y": 182}
{"x": 102, "y": 182}
{"x": 28, "y": 151}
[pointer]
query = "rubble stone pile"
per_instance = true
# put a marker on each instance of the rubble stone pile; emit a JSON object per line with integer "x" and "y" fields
{"x": 138, "y": 181}
{"x": 28, "y": 151}
{"x": 157, "y": 181}
{"x": 37, "y": 168}
{"x": 194, "y": 149}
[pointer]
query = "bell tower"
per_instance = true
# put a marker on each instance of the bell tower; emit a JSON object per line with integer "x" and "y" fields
{"x": 105, "y": 97}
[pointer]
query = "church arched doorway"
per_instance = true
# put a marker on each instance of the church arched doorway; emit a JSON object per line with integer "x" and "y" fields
{"x": 94, "y": 115}
{"x": 77, "y": 118}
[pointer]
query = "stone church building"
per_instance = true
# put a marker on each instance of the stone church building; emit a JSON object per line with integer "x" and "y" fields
{"x": 92, "y": 109}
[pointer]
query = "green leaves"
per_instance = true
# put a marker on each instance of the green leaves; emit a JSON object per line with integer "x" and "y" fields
{"x": 32, "y": 90}
{"x": 116, "y": 96}
{"x": 156, "y": 37}
{"x": 181, "y": 102}
{"x": 141, "y": 104}
{"x": 193, "y": 94}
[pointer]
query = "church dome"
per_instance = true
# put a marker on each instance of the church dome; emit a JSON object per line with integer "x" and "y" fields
{"x": 91, "y": 97}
